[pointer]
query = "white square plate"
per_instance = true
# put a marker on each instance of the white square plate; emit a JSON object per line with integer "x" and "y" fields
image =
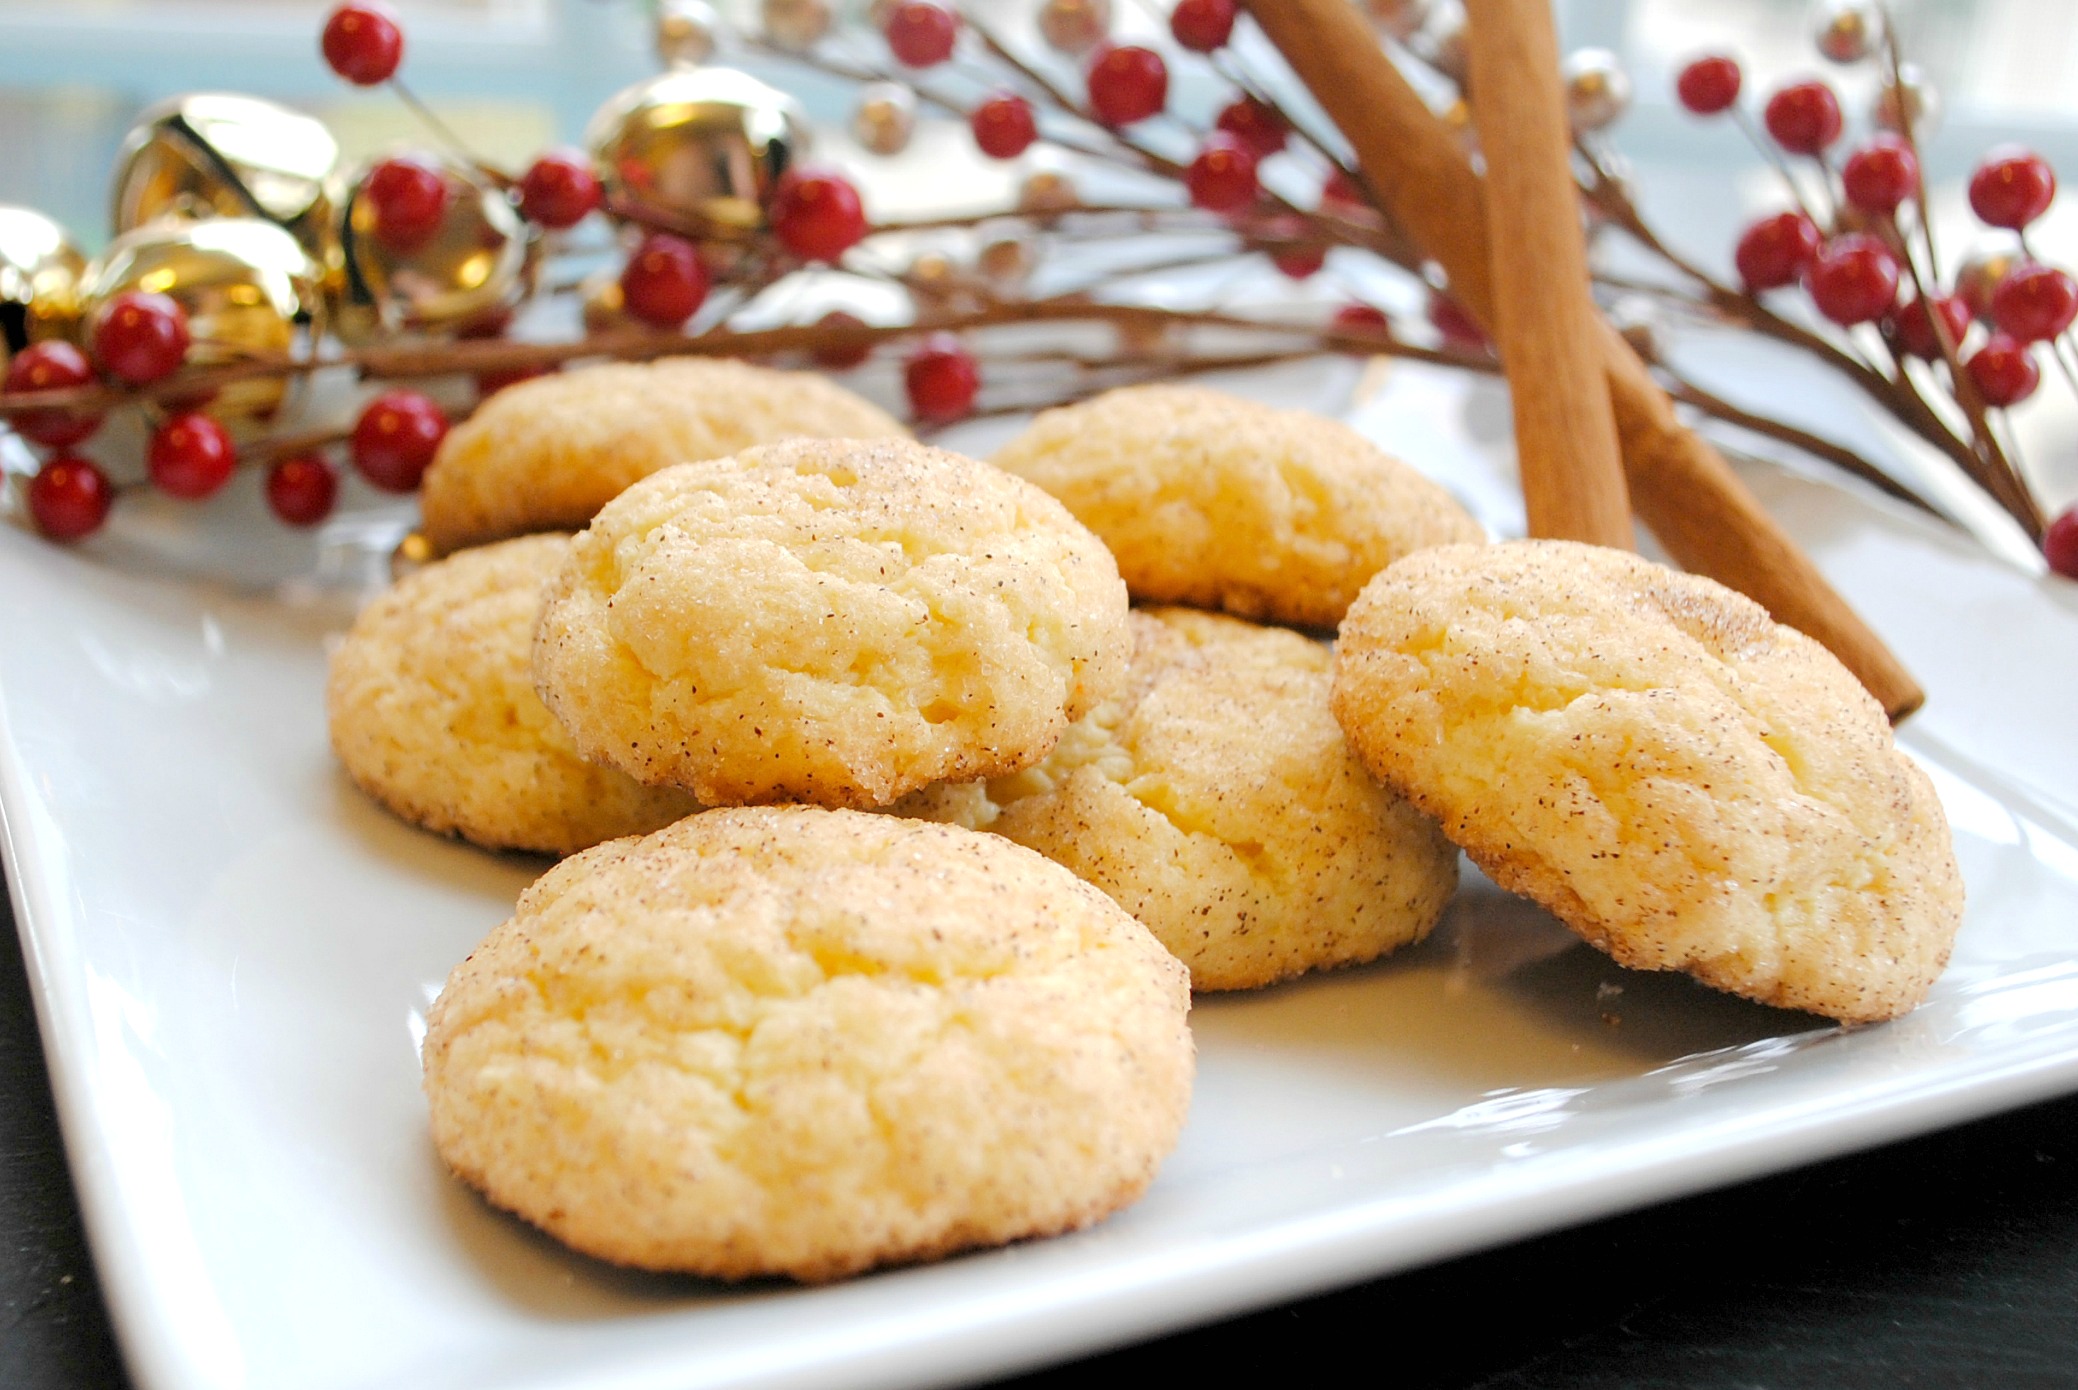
{"x": 231, "y": 951}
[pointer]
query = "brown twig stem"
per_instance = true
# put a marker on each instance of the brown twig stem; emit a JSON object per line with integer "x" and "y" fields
{"x": 1544, "y": 315}
{"x": 1683, "y": 488}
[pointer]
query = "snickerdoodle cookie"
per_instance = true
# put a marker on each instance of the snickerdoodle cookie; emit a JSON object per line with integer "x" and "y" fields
{"x": 433, "y": 712}
{"x": 832, "y": 621}
{"x": 546, "y": 454}
{"x": 1217, "y": 502}
{"x": 1216, "y": 800}
{"x": 790, "y": 1041}
{"x": 1687, "y": 783}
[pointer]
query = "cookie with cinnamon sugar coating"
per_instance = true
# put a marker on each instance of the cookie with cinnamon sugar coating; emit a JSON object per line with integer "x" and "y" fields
{"x": 1218, "y": 502}
{"x": 788, "y": 1041}
{"x": 1685, "y": 782}
{"x": 546, "y": 454}
{"x": 1215, "y": 799}
{"x": 431, "y": 706}
{"x": 830, "y": 621}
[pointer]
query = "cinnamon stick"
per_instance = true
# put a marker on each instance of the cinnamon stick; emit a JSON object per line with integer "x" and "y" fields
{"x": 1544, "y": 313}
{"x": 1682, "y": 488}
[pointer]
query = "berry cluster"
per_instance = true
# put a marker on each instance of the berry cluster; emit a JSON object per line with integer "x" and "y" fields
{"x": 1851, "y": 241}
{"x": 1125, "y": 84}
{"x": 1857, "y": 264}
{"x": 189, "y": 454}
{"x": 140, "y": 339}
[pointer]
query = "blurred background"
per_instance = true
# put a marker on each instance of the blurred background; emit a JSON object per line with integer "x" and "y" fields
{"x": 515, "y": 76}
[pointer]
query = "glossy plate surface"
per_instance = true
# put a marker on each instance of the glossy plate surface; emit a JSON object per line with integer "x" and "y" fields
{"x": 232, "y": 952}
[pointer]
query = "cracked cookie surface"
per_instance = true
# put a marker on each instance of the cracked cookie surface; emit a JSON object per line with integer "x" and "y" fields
{"x": 546, "y": 454}
{"x": 830, "y": 621}
{"x": 1217, "y": 502}
{"x": 1688, "y": 784}
{"x": 1216, "y": 800}
{"x": 790, "y": 1041}
{"x": 431, "y": 706}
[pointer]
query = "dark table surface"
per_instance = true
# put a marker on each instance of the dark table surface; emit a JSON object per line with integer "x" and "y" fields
{"x": 1946, "y": 1260}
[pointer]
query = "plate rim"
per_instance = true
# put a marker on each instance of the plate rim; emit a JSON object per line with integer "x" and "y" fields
{"x": 1276, "y": 1263}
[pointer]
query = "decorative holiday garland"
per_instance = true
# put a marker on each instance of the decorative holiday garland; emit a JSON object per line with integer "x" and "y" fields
{"x": 241, "y": 266}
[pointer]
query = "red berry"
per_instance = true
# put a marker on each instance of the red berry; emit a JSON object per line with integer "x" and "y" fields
{"x": 1364, "y": 319}
{"x": 1854, "y": 279}
{"x": 1202, "y": 25}
{"x": 139, "y": 337}
{"x": 664, "y": 281}
{"x": 1804, "y": 117}
{"x": 2005, "y": 371}
{"x": 558, "y": 189}
{"x": 1456, "y": 326}
{"x": 1222, "y": 177}
{"x": 302, "y": 488}
{"x": 841, "y": 358}
{"x": 942, "y": 379}
{"x": 479, "y": 328}
{"x": 1255, "y": 124}
{"x": 920, "y": 34}
{"x": 1127, "y": 84}
{"x": 1708, "y": 85}
{"x": 490, "y": 383}
{"x": 1341, "y": 193}
{"x": 52, "y": 366}
{"x": 1004, "y": 126}
{"x": 1774, "y": 251}
{"x": 1912, "y": 328}
{"x": 2060, "y": 543}
{"x": 362, "y": 43}
{"x": 1881, "y": 175}
{"x": 69, "y": 498}
{"x": 2012, "y": 187}
{"x": 396, "y": 438}
{"x": 1300, "y": 262}
{"x": 2034, "y": 302}
{"x": 409, "y": 198}
{"x": 818, "y": 216}
{"x": 190, "y": 456}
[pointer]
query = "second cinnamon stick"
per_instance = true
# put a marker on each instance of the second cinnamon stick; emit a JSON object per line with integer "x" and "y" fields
{"x": 1544, "y": 316}
{"x": 1681, "y": 487}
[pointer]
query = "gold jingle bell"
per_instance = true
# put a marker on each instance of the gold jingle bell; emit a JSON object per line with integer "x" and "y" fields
{"x": 605, "y": 309}
{"x": 40, "y": 268}
{"x": 245, "y": 284}
{"x": 705, "y": 144}
{"x": 214, "y": 154}
{"x": 472, "y": 272}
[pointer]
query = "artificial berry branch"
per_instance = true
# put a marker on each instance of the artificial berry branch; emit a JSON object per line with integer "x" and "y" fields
{"x": 1856, "y": 232}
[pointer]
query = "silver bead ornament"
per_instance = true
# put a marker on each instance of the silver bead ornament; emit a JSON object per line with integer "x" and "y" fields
{"x": 1637, "y": 318}
{"x": 1910, "y": 96}
{"x": 1005, "y": 261}
{"x": 687, "y": 32}
{"x": 1441, "y": 44}
{"x": 1398, "y": 20}
{"x": 794, "y": 25}
{"x": 1458, "y": 118}
{"x": 884, "y": 118}
{"x": 935, "y": 282}
{"x": 1046, "y": 190}
{"x": 1848, "y": 31}
{"x": 1074, "y": 27}
{"x": 1598, "y": 90}
{"x": 1978, "y": 277}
